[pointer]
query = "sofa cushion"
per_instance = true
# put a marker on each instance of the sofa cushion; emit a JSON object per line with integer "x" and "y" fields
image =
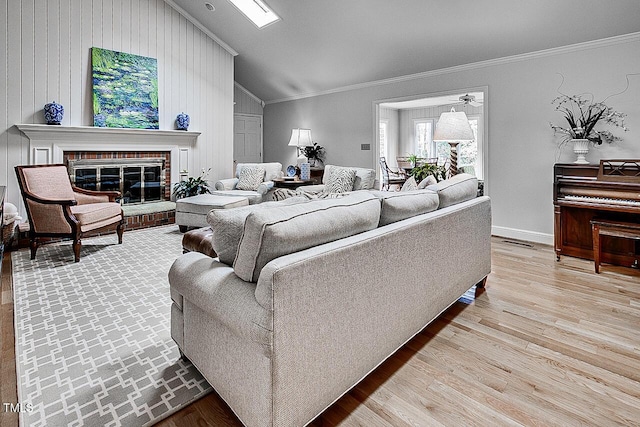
{"x": 429, "y": 180}
{"x": 271, "y": 170}
{"x": 365, "y": 178}
{"x": 457, "y": 189}
{"x": 339, "y": 180}
{"x": 272, "y": 233}
{"x": 250, "y": 178}
{"x": 227, "y": 225}
{"x": 399, "y": 205}
{"x": 410, "y": 184}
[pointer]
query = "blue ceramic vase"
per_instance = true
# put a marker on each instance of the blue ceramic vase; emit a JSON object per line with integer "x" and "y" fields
{"x": 53, "y": 113}
{"x": 182, "y": 121}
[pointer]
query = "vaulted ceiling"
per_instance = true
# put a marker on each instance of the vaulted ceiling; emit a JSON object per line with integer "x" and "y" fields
{"x": 321, "y": 45}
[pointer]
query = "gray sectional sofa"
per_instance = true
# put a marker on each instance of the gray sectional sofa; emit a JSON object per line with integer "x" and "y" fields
{"x": 307, "y": 298}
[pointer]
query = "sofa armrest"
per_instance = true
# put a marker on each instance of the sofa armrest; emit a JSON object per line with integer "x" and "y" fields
{"x": 265, "y": 187}
{"x": 226, "y": 184}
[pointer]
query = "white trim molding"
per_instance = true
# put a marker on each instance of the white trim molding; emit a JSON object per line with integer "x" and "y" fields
{"x": 626, "y": 38}
{"x": 251, "y": 95}
{"x": 528, "y": 236}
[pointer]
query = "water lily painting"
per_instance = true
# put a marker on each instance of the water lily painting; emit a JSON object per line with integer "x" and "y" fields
{"x": 125, "y": 90}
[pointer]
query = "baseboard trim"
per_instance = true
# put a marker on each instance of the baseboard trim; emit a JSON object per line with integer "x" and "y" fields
{"x": 529, "y": 236}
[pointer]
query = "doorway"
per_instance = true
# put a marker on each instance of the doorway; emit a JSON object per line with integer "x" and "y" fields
{"x": 409, "y": 123}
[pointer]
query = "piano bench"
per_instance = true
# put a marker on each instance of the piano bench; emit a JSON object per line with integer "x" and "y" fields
{"x": 607, "y": 227}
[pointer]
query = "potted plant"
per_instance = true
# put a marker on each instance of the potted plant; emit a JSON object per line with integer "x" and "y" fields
{"x": 315, "y": 153}
{"x": 582, "y": 115}
{"x": 423, "y": 171}
{"x": 192, "y": 186}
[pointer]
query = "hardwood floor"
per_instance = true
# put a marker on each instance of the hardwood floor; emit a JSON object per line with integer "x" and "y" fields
{"x": 545, "y": 344}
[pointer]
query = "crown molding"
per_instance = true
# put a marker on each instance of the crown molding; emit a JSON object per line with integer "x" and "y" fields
{"x": 201, "y": 27}
{"x": 626, "y": 38}
{"x": 251, "y": 95}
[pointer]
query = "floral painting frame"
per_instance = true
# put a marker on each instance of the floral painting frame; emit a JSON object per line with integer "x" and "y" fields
{"x": 125, "y": 90}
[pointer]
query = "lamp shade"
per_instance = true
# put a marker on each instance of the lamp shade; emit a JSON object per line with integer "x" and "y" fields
{"x": 453, "y": 126}
{"x": 300, "y": 138}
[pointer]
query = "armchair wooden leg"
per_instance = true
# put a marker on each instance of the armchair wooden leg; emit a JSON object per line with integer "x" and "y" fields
{"x": 33, "y": 244}
{"x": 120, "y": 230}
{"x": 77, "y": 245}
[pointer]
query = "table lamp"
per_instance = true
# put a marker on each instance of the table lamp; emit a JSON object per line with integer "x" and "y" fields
{"x": 453, "y": 127}
{"x": 300, "y": 138}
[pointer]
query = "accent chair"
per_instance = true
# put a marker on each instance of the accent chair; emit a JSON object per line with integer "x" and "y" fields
{"x": 56, "y": 208}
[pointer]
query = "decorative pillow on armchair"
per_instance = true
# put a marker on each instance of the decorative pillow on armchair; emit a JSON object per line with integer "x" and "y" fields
{"x": 250, "y": 178}
{"x": 339, "y": 180}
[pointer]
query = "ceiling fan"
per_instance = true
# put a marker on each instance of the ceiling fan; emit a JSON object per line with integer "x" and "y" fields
{"x": 469, "y": 100}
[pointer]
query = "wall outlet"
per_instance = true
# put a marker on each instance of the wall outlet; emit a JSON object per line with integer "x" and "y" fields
{"x": 365, "y": 147}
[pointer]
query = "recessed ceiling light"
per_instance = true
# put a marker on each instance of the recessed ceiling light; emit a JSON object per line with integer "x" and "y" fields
{"x": 209, "y": 6}
{"x": 257, "y": 11}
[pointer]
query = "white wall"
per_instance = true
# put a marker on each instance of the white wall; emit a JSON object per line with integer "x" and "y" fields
{"x": 521, "y": 146}
{"x": 392, "y": 116}
{"x": 48, "y": 58}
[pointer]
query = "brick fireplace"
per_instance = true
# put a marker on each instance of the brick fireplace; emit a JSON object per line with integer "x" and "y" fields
{"x": 141, "y": 177}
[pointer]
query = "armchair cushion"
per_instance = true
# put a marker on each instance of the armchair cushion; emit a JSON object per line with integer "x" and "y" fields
{"x": 250, "y": 178}
{"x": 339, "y": 180}
{"x": 50, "y": 183}
{"x": 95, "y": 212}
{"x": 272, "y": 170}
{"x": 364, "y": 180}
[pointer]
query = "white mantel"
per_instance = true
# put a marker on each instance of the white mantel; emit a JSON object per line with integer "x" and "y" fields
{"x": 47, "y": 143}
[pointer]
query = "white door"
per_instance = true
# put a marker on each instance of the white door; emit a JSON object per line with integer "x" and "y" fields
{"x": 247, "y": 139}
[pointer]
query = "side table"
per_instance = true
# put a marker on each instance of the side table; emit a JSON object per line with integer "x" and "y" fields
{"x": 291, "y": 183}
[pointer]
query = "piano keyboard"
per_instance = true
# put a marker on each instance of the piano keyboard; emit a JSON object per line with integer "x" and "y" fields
{"x": 602, "y": 200}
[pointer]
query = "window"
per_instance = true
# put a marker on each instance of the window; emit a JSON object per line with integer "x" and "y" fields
{"x": 384, "y": 139}
{"x": 469, "y": 153}
{"x": 423, "y": 137}
{"x": 257, "y": 11}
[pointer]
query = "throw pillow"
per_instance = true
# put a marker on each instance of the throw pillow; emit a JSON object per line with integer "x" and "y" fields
{"x": 430, "y": 180}
{"x": 340, "y": 180}
{"x": 250, "y": 178}
{"x": 410, "y": 184}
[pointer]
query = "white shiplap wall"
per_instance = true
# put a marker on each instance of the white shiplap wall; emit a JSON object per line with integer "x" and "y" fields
{"x": 47, "y": 58}
{"x": 246, "y": 102}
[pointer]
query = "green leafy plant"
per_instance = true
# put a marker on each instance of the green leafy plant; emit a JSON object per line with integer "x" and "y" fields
{"x": 314, "y": 152}
{"x": 413, "y": 159}
{"x": 423, "y": 171}
{"x": 582, "y": 115}
{"x": 192, "y": 186}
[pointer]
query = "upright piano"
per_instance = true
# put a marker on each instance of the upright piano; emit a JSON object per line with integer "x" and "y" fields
{"x": 609, "y": 190}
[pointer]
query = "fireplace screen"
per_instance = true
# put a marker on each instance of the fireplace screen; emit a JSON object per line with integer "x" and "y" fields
{"x": 138, "y": 180}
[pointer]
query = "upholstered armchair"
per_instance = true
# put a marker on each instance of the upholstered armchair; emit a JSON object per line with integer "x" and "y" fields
{"x": 256, "y": 192}
{"x": 57, "y": 209}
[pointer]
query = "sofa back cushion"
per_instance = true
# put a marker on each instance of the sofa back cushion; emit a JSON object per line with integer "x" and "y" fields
{"x": 227, "y": 225}
{"x": 272, "y": 233}
{"x": 399, "y": 205}
{"x": 365, "y": 178}
{"x": 457, "y": 189}
{"x": 272, "y": 170}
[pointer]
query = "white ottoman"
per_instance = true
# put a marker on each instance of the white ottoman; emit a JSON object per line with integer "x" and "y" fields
{"x": 192, "y": 211}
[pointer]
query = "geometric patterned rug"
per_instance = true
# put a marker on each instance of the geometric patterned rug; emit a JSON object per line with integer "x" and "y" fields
{"x": 93, "y": 343}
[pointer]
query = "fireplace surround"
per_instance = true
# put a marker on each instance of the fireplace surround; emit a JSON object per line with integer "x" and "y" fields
{"x": 49, "y": 144}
